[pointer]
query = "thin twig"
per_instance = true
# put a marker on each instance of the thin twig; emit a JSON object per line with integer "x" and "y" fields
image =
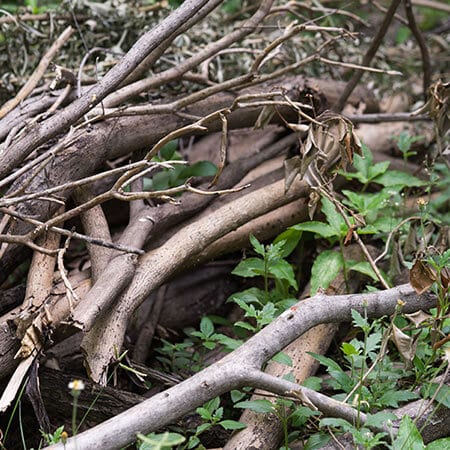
{"x": 38, "y": 73}
{"x": 426, "y": 65}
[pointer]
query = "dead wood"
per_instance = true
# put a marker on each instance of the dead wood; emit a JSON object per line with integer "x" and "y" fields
{"x": 242, "y": 368}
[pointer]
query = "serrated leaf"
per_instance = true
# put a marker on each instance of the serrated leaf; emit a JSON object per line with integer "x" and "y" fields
{"x": 408, "y": 436}
{"x": 325, "y": 269}
{"x": 257, "y": 246}
{"x": 379, "y": 419}
{"x": 393, "y": 398}
{"x": 334, "y": 219}
{"x": 359, "y": 320}
{"x": 291, "y": 237}
{"x": 322, "y": 229}
{"x": 442, "y": 395}
{"x": 206, "y": 326}
{"x": 259, "y": 406}
{"x": 250, "y": 267}
{"x": 317, "y": 441}
{"x": 365, "y": 268}
{"x": 439, "y": 444}
{"x": 397, "y": 178}
{"x": 282, "y": 270}
{"x": 314, "y": 383}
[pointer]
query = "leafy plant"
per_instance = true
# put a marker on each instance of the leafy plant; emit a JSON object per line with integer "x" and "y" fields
{"x": 263, "y": 305}
{"x": 212, "y": 415}
{"x": 178, "y": 174}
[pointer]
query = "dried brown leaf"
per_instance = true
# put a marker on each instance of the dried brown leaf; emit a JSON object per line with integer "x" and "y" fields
{"x": 421, "y": 276}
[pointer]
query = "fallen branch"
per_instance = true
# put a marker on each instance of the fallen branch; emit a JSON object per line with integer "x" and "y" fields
{"x": 243, "y": 368}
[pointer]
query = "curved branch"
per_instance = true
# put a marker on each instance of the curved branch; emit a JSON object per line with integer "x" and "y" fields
{"x": 242, "y": 367}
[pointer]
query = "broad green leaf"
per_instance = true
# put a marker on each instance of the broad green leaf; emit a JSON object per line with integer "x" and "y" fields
{"x": 291, "y": 238}
{"x": 260, "y": 406}
{"x": 250, "y": 267}
{"x": 167, "y": 152}
{"x": 237, "y": 395}
{"x": 322, "y": 229}
{"x": 336, "y": 372}
{"x": 162, "y": 441}
{"x": 203, "y": 427}
{"x": 359, "y": 320}
{"x": 378, "y": 169}
{"x": 379, "y": 419}
{"x": 325, "y": 269}
{"x": 365, "y": 268}
{"x": 283, "y": 271}
{"x": 244, "y": 325}
{"x": 232, "y": 425}
{"x": 392, "y": 398}
{"x": 397, "y": 178}
{"x": 206, "y": 326}
{"x": 349, "y": 349}
{"x": 408, "y": 436}
{"x": 283, "y": 358}
{"x": 317, "y": 441}
{"x": 439, "y": 444}
{"x": 314, "y": 383}
{"x": 257, "y": 246}
{"x": 335, "y": 220}
{"x": 199, "y": 169}
{"x": 442, "y": 396}
{"x": 212, "y": 404}
{"x": 204, "y": 413}
{"x": 337, "y": 423}
{"x": 362, "y": 163}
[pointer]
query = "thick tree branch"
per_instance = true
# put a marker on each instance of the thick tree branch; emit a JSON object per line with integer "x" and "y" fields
{"x": 242, "y": 367}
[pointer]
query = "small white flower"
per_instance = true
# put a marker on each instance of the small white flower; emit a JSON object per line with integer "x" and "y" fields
{"x": 76, "y": 385}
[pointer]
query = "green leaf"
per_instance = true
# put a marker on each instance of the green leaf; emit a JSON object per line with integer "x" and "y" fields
{"x": 232, "y": 425}
{"x": 378, "y": 169}
{"x": 282, "y": 270}
{"x": 257, "y": 246}
{"x": 337, "y": 423}
{"x": 167, "y": 152}
{"x": 204, "y": 413}
{"x": 162, "y": 441}
{"x": 362, "y": 163}
{"x": 359, "y": 320}
{"x": 259, "y": 406}
{"x": 439, "y": 444}
{"x": 322, "y": 229}
{"x": 335, "y": 220}
{"x": 237, "y": 395}
{"x": 365, "y": 268}
{"x": 397, "y": 178}
{"x": 212, "y": 404}
{"x": 199, "y": 169}
{"x": 244, "y": 325}
{"x": 291, "y": 237}
{"x": 206, "y": 326}
{"x": 314, "y": 383}
{"x": 392, "y": 398}
{"x": 325, "y": 269}
{"x": 250, "y": 267}
{"x": 202, "y": 428}
{"x": 282, "y": 358}
{"x": 408, "y": 436}
{"x": 335, "y": 370}
{"x": 317, "y": 441}
{"x": 442, "y": 396}
{"x": 379, "y": 419}
{"x": 349, "y": 349}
